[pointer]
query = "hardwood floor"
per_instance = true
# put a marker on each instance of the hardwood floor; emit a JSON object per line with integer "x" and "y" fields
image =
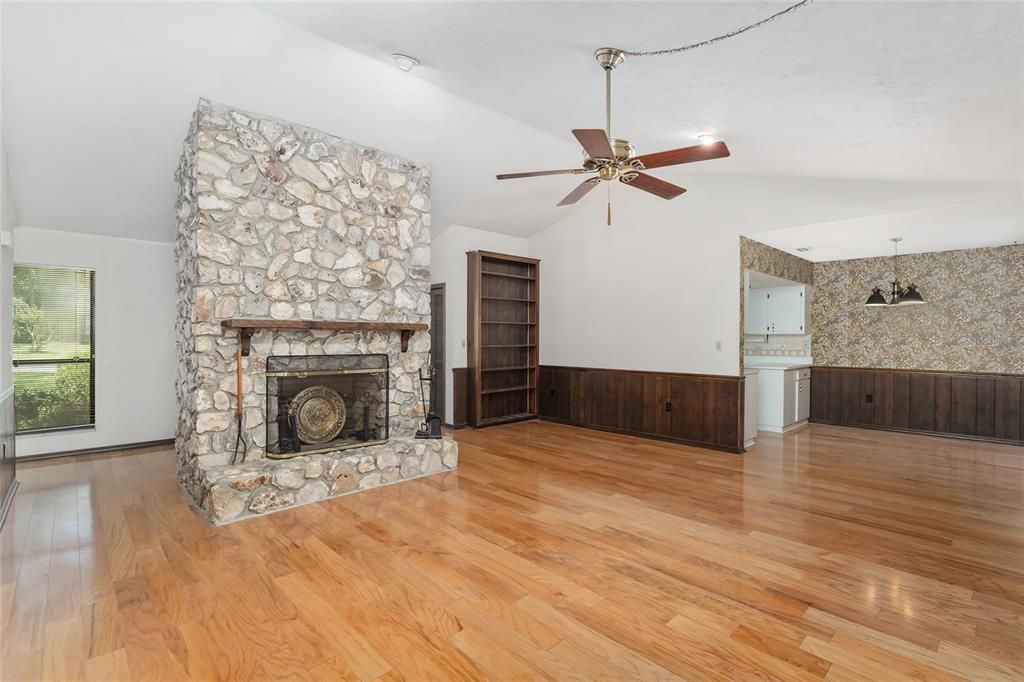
{"x": 553, "y": 552}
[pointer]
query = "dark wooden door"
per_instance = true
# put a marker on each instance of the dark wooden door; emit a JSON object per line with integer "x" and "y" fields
{"x": 437, "y": 355}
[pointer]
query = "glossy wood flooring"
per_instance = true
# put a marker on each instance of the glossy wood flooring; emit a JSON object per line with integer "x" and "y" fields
{"x": 553, "y": 552}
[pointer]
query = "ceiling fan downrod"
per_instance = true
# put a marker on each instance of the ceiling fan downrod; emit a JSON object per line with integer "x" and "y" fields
{"x": 608, "y": 58}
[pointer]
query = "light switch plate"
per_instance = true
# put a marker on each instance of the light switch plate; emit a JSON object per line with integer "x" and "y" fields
{"x": 6, "y": 238}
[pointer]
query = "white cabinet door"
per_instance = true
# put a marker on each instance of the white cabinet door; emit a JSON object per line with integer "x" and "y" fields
{"x": 786, "y": 310}
{"x": 790, "y": 399}
{"x": 756, "y": 314}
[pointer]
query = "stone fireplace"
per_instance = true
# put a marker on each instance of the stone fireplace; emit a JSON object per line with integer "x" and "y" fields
{"x": 303, "y": 297}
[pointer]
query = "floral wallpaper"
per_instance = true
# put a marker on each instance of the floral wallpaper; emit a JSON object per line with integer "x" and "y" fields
{"x": 771, "y": 261}
{"x": 972, "y": 321}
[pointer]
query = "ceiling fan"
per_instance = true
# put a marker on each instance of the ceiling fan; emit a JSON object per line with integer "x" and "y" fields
{"x": 611, "y": 159}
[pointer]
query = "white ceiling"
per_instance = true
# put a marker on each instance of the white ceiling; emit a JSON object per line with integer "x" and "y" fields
{"x": 996, "y": 221}
{"x": 852, "y": 109}
{"x": 760, "y": 280}
{"x": 897, "y": 90}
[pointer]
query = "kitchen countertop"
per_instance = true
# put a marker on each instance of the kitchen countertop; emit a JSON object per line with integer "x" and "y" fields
{"x": 779, "y": 363}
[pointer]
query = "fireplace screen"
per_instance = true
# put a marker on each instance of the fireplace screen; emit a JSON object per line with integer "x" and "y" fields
{"x": 320, "y": 403}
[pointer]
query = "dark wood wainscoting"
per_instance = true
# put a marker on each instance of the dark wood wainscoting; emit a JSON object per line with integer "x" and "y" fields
{"x": 461, "y": 397}
{"x": 964, "y": 405}
{"x": 698, "y": 409}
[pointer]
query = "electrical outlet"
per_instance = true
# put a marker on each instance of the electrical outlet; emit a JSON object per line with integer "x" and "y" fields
{"x": 718, "y": 345}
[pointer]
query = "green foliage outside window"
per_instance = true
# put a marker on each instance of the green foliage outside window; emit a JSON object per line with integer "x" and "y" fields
{"x": 53, "y": 354}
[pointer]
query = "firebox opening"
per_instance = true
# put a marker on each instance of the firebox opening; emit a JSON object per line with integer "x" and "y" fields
{"x": 323, "y": 403}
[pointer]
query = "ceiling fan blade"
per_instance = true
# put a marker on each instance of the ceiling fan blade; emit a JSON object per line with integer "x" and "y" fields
{"x": 595, "y": 141}
{"x": 656, "y": 186}
{"x": 534, "y": 174}
{"x": 577, "y": 194}
{"x": 672, "y": 157}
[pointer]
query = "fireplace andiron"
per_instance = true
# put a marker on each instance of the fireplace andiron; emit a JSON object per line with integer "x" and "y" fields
{"x": 431, "y": 427}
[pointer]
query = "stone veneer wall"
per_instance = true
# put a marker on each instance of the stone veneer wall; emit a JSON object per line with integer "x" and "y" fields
{"x": 276, "y": 220}
{"x": 972, "y": 321}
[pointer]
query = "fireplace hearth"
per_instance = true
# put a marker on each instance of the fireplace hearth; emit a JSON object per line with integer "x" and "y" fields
{"x": 321, "y": 403}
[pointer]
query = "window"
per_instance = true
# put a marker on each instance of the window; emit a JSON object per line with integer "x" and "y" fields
{"x": 54, "y": 379}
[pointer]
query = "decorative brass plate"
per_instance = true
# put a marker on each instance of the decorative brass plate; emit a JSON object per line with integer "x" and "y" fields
{"x": 319, "y": 414}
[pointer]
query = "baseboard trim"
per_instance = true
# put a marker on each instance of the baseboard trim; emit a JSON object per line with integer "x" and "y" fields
{"x": 96, "y": 451}
{"x": 645, "y": 436}
{"x": 921, "y": 432}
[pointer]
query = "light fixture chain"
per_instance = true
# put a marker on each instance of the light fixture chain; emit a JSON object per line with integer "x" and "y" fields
{"x": 716, "y": 39}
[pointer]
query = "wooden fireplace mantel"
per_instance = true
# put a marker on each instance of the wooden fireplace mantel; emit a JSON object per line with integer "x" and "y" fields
{"x": 247, "y": 327}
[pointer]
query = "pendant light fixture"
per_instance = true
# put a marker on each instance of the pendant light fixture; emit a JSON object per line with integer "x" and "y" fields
{"x": 899, "y": 296}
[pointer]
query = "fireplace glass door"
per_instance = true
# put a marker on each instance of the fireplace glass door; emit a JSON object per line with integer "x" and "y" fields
{"x": 323, "y": 403}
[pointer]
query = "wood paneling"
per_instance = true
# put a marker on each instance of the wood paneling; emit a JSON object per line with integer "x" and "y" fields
{"x": 867, "y": 404}
{"x": 686, "y": 416}
{"x": 942, "y": 402}
{"x": 986, "y": 402}
{"x": 835, "y": 397}
{"x": 963, "y": 411}
{"x": 1008, "y": 413}
{"x": 690, "y": 408}
{"x": 922, "y": 402}
{"x": 461, "y": 378}
{"x": 820, "y": 390}
{"x": 850, "y": 396}
{"x": 883, "y": 398}
{"x": 979, "y": 406}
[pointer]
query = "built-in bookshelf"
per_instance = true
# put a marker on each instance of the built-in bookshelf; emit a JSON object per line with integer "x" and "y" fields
{"x": 502, "y": 339}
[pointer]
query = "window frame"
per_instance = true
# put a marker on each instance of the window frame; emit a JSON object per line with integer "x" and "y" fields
{"x": 91, "y": 360}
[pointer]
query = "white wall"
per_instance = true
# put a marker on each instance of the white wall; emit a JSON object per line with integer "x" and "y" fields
{"x": 655, "y": 291}
{"x": 448, "y": 265}
{"x": 135, "y": 361}
{"x": 945, "y": 226}
{"x": 8, "y": 219}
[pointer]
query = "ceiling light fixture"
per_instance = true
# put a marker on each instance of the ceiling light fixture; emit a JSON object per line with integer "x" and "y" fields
{"x": 708, "y": 139}
{"x": 899, "y": 295}
{"x": 405, "y": 62}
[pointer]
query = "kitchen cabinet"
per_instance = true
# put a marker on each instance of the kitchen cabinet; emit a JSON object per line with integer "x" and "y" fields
{"x": 783, "y": 401}
{"x": 756, "y": 313}
{"x": 777, "y": 310}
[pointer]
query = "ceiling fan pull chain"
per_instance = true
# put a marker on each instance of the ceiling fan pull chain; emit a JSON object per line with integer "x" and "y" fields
{"x": 609, "y": 204}
{"x": 725, "y": 36}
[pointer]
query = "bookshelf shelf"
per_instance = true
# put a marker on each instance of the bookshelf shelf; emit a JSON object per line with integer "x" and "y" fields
{"x": 502, "y": 338}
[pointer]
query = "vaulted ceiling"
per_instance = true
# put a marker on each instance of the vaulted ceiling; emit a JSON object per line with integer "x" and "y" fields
{"x": 868, "y": 107}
